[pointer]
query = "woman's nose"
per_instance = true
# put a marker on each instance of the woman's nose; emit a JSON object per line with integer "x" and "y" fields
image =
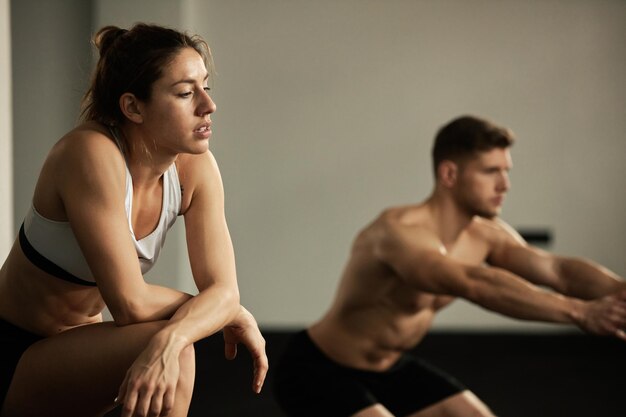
{"x": 207, "y": 105}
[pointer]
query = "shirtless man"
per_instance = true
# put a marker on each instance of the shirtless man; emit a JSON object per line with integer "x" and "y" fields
{"x": 412, "y": 261}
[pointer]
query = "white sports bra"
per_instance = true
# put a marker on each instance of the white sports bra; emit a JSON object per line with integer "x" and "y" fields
{"x": 52, "y": 246}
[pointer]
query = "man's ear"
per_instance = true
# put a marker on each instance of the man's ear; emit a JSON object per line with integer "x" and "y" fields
{"x": 131, "y": 108}
{"x": 448, "y": 172}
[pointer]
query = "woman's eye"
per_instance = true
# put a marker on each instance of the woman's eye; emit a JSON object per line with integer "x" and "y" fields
{"x": 186, "y": 94}
{"x": 207, "y": 90}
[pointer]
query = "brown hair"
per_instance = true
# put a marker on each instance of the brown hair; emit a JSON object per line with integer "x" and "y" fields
{"x": 130, "y": 61}
{"x": 465, "y": 136}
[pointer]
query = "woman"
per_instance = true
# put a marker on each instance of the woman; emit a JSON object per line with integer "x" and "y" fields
{"x": 107, "y": 194}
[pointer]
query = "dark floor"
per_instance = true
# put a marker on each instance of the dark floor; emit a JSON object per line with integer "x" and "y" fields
{"x": 517, "y": 375}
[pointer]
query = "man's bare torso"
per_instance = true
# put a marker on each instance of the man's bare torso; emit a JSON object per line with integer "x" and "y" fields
{"x": 376, "y": 314}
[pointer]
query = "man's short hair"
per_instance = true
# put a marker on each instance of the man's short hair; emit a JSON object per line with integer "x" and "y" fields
{"x": 466, "y": 136}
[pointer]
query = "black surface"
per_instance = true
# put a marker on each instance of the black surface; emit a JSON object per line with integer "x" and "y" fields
{"x": 517, "y": 375}
{"x": 536, "y": 236}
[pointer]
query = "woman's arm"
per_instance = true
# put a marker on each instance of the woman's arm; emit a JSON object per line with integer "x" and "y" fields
{"x": 210, "y": 250}
{"x": 212, "y": 261}
{"x": 217, "y": 304}
{"x": 89, "y": 180}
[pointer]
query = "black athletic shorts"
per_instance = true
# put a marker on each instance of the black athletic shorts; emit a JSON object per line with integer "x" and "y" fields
{"x": 308, "y": 383}
{"x": 14, "y": 341}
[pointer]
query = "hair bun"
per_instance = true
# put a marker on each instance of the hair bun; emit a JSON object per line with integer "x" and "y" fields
{"x": 106, "y": 36}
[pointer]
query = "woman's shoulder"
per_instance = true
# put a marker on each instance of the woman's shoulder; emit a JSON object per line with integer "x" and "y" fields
{"x": 198, "y": 172}
{"x": 86, "y": 150}
{"x": 87, "y": 136}
{"x": 197, "y": 167}
{"x": 193, "y": 161}
{"x": 88, "y": 142}
{"x": 81, "y": 159}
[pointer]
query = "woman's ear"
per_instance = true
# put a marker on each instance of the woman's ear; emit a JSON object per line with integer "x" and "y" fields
{"x": 130, "y": 107}
{"x": 448, "y": 172}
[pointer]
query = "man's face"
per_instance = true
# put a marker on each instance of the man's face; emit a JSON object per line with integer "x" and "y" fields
{"x": 483, "y": 181}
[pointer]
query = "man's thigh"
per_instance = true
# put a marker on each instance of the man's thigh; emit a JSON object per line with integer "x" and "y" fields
{"x": 464, "y": 404}
{"x": 411, "y": 385}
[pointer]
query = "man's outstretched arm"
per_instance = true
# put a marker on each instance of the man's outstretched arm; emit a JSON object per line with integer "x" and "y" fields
{"x": 418, "y": 260}
{"x": 573, "y": 276}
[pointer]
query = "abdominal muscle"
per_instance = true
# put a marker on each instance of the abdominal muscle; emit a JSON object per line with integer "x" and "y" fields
{"x": 370, "y": 339}
{"x": 41, "y": 303}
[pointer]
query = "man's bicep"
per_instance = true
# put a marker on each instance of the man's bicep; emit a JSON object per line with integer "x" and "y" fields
{"x": 531, "y": 263}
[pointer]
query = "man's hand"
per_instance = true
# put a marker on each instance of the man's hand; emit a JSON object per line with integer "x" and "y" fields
{"x": 606, "y": 316}
{"x": 244, "y": 329}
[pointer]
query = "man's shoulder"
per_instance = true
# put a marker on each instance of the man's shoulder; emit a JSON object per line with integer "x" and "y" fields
{"x": 396, "y": 233}
{"x": 408, "y": 221}
{"x": 493, "y": 229}
{"x": 403, "y": 215}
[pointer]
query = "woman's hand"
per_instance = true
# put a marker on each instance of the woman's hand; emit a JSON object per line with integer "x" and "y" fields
{"x": 149, "y": 386}
{"x": 244, "y": 329}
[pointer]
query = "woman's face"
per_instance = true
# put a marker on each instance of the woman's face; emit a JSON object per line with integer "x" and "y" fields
{"x": 177, "y": 117}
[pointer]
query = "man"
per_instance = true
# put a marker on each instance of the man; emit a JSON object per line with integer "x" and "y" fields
{"x": 412, "y": 261}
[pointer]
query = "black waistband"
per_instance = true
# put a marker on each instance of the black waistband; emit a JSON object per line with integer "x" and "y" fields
{"x": 8, "y": 329}
{"x": 46, "y": 264}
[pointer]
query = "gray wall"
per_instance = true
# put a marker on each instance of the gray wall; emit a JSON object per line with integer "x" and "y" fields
{"x": 51, "y": 66}
{"x": 6, "y": 131}
{"x": 326, "y": 113}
